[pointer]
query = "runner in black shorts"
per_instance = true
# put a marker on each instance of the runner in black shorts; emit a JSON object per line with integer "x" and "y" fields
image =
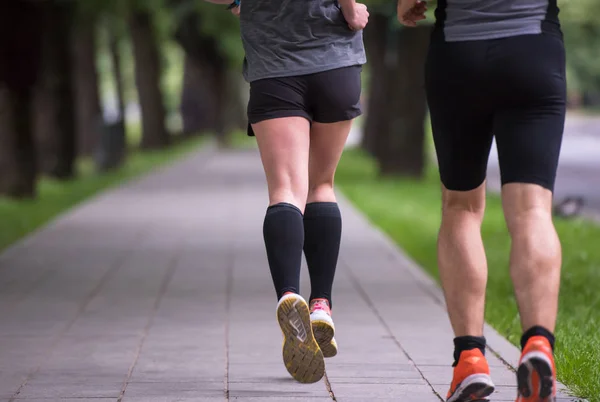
{"x": 496, "y": 68}
{"x": 303, "y": 62}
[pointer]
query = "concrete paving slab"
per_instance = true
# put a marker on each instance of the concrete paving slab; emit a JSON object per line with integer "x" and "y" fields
{"x": 160, "y": 291}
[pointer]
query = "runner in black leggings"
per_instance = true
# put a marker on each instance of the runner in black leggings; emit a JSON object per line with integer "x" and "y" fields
{"x": 496, "y": 68}
{"x": 303, "y": 62}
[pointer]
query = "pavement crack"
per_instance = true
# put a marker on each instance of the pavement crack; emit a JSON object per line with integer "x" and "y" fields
{"x": 162, "y": 291}
{"x": 118, "y": 263}
{"x": 363, "y": 294}
{"x": 228, "y": 295}
{"x": 329, "y": 387}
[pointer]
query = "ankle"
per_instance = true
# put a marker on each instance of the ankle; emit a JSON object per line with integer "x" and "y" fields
{"x": 320, "y": 304}
{"x": 464, "y": 343}
{"x": 537, "y": 331}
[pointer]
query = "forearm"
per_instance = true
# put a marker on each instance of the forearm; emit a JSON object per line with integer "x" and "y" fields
{"x": 347, "y": 4}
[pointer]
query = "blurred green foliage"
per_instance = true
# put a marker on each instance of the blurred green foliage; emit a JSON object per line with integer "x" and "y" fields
{"x": 580, "y": 26}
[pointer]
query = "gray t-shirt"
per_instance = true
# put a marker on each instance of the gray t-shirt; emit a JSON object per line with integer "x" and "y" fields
{"x": 465, "y": 20}
{"x": 296, "y": 37}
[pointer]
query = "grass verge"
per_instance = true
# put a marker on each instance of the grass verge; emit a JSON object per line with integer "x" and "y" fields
{"x": 20, "y": 217}
{"x": 409, "y": 212}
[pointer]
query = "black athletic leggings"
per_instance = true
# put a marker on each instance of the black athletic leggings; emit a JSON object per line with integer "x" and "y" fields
{"x": 512, "y": 88}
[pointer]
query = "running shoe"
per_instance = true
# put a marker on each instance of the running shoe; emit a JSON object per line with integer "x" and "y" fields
{"x": 472, "y": 381}
{"x": 323, "y": 328}
{"x": 536, "y": 376}
{"x": 302, "y": 356}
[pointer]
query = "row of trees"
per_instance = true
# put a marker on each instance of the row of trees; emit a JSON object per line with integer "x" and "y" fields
{"x": 51, "y": 110}
{"x": 50, "y": 97}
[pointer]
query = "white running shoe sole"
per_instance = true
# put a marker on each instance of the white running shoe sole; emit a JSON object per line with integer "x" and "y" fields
{"x": 324, "y": 331}
{"x": 302, "y": 356}
{"x": 476, "y": 387}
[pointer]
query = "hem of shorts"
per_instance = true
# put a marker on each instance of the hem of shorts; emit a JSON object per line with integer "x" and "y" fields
{"x": 463, "y": 188}
{"x": 499, "y": 35}
{"x": 529, "y": 180}
{"x": 349, "y": 116}
{"x": 307, "y": 71}
{"x": 279, "y": 115}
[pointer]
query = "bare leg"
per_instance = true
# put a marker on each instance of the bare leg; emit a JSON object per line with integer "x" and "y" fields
{"x": 322, "y": 218}
{"x": 326, "y": 146}
{"x": 461, "y": 259}
{"x": 284, "y": 148}
{"x": 323, "y": 227}
{"x": 535, "y": 257}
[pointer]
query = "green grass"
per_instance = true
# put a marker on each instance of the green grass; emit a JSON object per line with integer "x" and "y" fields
{"x": 239, "y": 139}
{"x": 409, "y": 212}
{"x": 20, "y": 217}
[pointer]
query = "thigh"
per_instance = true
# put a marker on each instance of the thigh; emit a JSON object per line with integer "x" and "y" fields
{"x": 334, "y": 95}
{"x": 530, "y": 120}
{"x": 327, "y": 141}
{"x": 273, "y": 98}
{"x": 461, "y": 113}
{"x": 529, "y": 142}
{"x": 284, "y": 150}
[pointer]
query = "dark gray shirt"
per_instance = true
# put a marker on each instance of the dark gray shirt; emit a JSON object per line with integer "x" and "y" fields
{"x": 296, "y": 37}
{"x": 491, "y": 19}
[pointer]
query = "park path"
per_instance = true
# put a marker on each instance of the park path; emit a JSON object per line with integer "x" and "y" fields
{"x": 158, "y": 291}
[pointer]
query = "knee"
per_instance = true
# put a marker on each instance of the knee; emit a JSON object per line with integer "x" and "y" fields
{"x": 289, "y": 189}
{"x": 526, "y": 207}
{"x": 467, "y": 204}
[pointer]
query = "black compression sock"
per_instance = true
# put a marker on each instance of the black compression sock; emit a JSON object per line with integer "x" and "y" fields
{"x": 283, "y": 232}
{"x": 537, "y": 331}
{"x": 463, "y": 343}
{"x": 322, "y": 236}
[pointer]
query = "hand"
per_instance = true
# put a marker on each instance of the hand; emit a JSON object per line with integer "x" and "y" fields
{"x": 236, "y": 10}
{"x": 411, "y": 11}
{"x": 357, "y": 16}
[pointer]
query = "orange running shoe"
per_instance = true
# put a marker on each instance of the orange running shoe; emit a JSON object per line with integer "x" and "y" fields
{"x": 536, "y": 376}
{"x": 472, "y": 381}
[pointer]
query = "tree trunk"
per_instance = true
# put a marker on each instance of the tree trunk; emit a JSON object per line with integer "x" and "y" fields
{"x": 376, "y": 36}
{"x": 87, "y": 106}
{"x": 110, "y": 149}
{"x": 197, "y": 112}
{"x": 235, "y": 107}
{"x": 17, "y": 150}
{"x": 147, "y": 77}
{"x": 210, "y": 95}
{"x": 54, "y": 104}
{"x": 395, "y": 129}
{"x": 404, "y": 153}
{"x": 20, "y": 42}
{"x": 116, "y": 65}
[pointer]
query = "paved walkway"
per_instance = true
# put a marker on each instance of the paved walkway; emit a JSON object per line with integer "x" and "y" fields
{"x": 159, "y": 292}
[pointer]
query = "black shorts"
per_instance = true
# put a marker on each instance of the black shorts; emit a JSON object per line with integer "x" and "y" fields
{"x": 326, "y": 97}
{"x": 511, "y": 88}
